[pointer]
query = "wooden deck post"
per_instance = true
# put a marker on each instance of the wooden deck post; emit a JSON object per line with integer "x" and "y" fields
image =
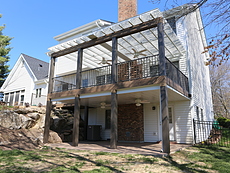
{"x": 86, "y": 116}
{"x": 77, "y": 99}
{"x": 163, "y": 89}
{"x": 76, "y": 121}
{"x": 113, "y": 131}
{"x": 49, "y": 101}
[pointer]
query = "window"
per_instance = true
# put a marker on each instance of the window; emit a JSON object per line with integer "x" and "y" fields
{"x": 202, "y": 114}
{"x": 11, "y": 99}
{"x": 103, "y": 79}
{"x": 107, "y": 119}
{"x": 36, "y": 93}
{"x": 154, "y": 70}
{"x": 16, "y": 102}
{"x": 40, "y": 92}
{"x": 100, "y": 80}
{"x": 176, "y": 63}
{"x": 85, "y": 83}
{"x": 65, "y": 87}
{"x": 22, "y": 97}
{"x": 197, "y": 113}
{"x": 6, "y": 97}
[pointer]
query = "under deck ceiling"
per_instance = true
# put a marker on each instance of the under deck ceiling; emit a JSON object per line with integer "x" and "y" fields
{"x": 152, "y": 97}
{"x": 144, "y": 42}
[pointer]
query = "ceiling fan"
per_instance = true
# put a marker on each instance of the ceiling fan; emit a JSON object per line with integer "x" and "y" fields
{"x": 139, "y": 101}
{"x": 103, "y": 105}
{"x": 136, "y": 53}
{"x": 104, "y": 61}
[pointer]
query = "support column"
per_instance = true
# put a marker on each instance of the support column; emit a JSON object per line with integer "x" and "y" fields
{"x": 113, "y": 130}
{"x": 86, "y": 116}
{"x": 76, "y": 121}
{"x": 163, "y": 89}
{"x": 49, "y": 101}
{"x": 77, "y": 104}
{"x": 114, "y": 104}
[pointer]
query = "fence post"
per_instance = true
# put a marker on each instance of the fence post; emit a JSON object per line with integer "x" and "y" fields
{"x": 194, "y": 130}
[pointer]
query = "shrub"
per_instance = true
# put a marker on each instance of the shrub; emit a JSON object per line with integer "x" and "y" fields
{"x": 224, "y": 122}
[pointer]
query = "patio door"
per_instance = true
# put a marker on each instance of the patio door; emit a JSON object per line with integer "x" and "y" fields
{"x": 171, "y": 124}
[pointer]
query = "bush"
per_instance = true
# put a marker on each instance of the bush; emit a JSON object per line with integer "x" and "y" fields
{"x": 224, "y": 122}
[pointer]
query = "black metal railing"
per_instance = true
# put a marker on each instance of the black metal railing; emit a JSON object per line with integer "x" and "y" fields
{"x": 138, "y": 69}
{"x": 211, "y": 133}
{"x": 126, "y": 71}
{"x": 173, "y": 73}
{"x": 97, "y": 76}
{"x": 65, "y": 82}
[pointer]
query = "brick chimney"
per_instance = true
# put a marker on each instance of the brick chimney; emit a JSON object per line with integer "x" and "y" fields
{"x": 126, "y": 9}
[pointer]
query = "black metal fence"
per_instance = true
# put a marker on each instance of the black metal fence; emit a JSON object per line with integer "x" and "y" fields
{"x": 211, "y": 133}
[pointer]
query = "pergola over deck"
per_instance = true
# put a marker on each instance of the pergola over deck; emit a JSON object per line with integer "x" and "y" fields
{"x": 138, "y": 33}
{"x": 148, "y": 33}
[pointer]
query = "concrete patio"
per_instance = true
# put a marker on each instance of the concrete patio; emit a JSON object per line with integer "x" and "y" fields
{"x": 123, "y": 147}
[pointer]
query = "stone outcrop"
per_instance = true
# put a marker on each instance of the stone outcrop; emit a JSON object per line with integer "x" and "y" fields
{"x": 24, "y": 123}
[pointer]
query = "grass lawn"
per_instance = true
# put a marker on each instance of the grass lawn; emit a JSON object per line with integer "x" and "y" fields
{"x": 193, "y": 159}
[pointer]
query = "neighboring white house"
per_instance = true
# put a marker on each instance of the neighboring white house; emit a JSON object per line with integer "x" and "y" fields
{"x": 139, "y": 84}
{"x": 27, "y": 82}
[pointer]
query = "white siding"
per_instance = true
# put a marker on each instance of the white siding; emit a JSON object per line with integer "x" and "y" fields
{"x": 190, "y": 34}
{"x": 183, "y": 122}
{"x": 22, "y": 79}
{"x": 151, "y": 124}
{"x": 65, "y": 65}
{"x": 43, "y": 98}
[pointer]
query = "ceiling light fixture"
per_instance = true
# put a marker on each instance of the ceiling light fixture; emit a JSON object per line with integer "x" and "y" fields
{"x": 138, "y": 102}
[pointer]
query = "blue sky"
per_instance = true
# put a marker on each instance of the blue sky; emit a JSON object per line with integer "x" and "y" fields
{"x": 34, "y": 23}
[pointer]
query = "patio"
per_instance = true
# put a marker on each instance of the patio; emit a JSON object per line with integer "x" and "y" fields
{"x": 122, "y": 147}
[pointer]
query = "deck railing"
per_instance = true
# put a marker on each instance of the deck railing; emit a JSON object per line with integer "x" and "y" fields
{"x": 145, "y": 67}
{"x": 173, "y": 73}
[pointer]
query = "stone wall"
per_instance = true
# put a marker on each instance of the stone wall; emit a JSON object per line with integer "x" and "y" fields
{"x": 130, "y": 123}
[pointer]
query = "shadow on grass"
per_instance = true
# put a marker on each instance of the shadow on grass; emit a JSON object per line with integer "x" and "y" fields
{"x": 206, "y": 158}
{"x": 73, "y": 155}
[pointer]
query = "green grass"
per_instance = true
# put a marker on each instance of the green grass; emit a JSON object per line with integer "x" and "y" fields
{"x": 194, "y": 159}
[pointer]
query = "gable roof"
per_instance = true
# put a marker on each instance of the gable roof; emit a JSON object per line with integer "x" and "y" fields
{"x": 38, "y": 67}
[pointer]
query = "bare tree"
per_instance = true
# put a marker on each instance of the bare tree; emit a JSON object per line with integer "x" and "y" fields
{"x": 220, "y": 84}
{"x": 216, "y": 14}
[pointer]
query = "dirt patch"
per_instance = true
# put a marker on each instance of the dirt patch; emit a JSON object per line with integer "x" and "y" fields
{"x": 18, "y": 139}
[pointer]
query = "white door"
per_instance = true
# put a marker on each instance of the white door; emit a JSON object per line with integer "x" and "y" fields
{"x": 171, "y": 124}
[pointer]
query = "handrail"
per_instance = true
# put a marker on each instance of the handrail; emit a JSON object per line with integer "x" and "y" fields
{"x": 139, "y": 68}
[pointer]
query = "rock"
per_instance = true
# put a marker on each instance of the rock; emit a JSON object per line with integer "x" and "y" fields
{"x": 14, "y": 120}
{"x": 34, "y": 116}
{"x": 40, "y": 123}
{"x": 22, "y": 111}
{"x": 54, "y": 138}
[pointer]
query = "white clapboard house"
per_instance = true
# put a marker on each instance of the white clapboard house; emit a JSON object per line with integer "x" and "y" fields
{"x": 27, "y": 82}
{"x": 142, "y": 79}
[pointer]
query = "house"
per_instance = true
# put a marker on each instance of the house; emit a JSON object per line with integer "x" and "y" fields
{"x": 27, "y": 82}
{"x": 142, "y": 79}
